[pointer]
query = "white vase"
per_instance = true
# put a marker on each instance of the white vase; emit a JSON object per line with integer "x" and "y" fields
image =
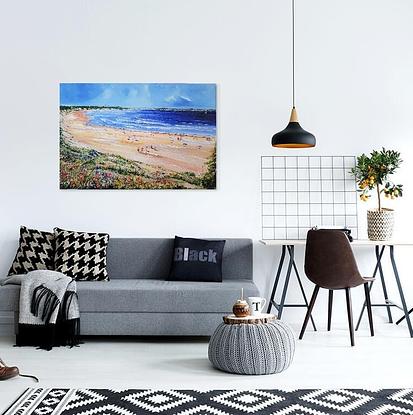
{"x": 380, "y": 224}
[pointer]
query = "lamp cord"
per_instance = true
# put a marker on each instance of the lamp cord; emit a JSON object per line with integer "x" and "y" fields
{"x": 293, "y": 30}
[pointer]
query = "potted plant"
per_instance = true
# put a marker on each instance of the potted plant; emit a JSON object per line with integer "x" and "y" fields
{"x": 372, "y": 175}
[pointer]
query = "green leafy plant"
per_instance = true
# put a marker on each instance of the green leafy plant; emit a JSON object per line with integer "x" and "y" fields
{"x": 373, "y": 172}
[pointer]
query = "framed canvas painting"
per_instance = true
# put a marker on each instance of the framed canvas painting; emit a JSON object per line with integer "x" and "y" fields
{"x": 137, "y": 136}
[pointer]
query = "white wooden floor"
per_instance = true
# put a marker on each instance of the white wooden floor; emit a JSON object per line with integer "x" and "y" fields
{"x": 322, "y": 360}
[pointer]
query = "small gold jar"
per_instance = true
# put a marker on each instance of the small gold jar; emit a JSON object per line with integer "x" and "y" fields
{"x": 241, "y": 308}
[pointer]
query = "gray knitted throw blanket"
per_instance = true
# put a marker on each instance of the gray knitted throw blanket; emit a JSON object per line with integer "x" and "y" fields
{"x": 49, "y": 310}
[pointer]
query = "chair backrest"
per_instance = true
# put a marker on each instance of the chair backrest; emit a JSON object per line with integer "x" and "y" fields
{"x": 329, "y": 260}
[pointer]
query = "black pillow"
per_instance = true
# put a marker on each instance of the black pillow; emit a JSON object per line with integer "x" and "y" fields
{"x": 81, "y": 255}
{"x": 196, "y": 260}
{"x": 36, "y": 251}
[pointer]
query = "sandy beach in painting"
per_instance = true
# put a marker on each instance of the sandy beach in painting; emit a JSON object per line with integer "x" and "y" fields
{"x": 174, "y": 152}
{"x": 166, "y": 160}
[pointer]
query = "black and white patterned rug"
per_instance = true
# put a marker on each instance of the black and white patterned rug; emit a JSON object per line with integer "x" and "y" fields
{"x": 55, "y": 401}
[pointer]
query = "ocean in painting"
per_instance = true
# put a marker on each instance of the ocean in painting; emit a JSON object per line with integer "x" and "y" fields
{"x": 137, "y": 136}
{"x": 190, "y": 122}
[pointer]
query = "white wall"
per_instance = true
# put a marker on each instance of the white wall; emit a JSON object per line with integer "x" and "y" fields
{"x": 354, "y": 80}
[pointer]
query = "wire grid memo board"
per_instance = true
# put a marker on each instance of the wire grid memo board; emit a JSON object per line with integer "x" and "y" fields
{"x": 299, "y": 192}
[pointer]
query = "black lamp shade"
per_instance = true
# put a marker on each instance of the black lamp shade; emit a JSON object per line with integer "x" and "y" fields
{"x": 293, "y": 136}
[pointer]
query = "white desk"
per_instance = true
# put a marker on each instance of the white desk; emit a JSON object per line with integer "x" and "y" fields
{"x": 288, "y": 245}
{"x": 356, "y": 242}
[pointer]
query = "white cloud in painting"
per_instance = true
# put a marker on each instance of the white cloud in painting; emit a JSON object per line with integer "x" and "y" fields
{"x": 132, "y": 94}
{"x": 178, "y": 100}
{"x": 107, "y": 93}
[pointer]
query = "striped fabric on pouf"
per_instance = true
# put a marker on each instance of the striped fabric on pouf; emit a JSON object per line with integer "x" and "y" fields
{"x": 252, "y": 349}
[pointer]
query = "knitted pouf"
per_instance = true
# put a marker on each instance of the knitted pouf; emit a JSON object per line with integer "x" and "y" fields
{"x": 252, "y": 349}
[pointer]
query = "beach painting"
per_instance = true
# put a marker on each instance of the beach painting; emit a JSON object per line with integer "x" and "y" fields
{"x": 137, "y": 136}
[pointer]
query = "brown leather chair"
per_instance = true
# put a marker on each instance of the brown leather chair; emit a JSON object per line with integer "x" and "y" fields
{"x": 330, "y": 264}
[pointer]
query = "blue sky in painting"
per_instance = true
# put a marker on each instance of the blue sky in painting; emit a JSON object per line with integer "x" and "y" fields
{"x": 197, "y": 96}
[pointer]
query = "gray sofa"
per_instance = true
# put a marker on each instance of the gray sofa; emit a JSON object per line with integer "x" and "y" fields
{"x": 139, "y": 301}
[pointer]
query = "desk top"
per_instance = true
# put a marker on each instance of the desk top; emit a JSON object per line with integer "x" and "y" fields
{"x": 356, "y": 242}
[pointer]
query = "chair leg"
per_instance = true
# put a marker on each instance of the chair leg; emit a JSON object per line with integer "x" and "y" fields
{"x": 350, "y": 316}
{"x": 368, "y": 304}
{"x": 330, "y": 308}
{"x": 309, "y": 311}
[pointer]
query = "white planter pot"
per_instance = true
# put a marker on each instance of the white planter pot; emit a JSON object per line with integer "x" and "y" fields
{"x": 380, "y": 224}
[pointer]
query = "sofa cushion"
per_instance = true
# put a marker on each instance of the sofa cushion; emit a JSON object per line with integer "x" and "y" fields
{"x": 125, "y": 295}
{"x": 36, "y": 251}
{"x": 150, "y": 258}
{"x": 196, "y": 260}
{"x": 81, "y": 255}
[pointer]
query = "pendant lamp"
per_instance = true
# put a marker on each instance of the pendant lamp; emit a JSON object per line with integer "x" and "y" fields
{"x": 293, "y": 136}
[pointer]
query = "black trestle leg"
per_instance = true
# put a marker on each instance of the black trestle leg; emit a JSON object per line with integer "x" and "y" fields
{"x": 277, "y": 278}
{"x": 401, "y": 319}
{"x": 330, "y": 308}
{"x": 368, "y": 304}
{"x": 399, "y": 286}
{"x": 309, "y": 311}
{"x": 350, "y": 315}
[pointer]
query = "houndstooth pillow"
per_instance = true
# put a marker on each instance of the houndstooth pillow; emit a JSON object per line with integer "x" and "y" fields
{"x": 36, "y": 251}
{"x": 81, "y": 255}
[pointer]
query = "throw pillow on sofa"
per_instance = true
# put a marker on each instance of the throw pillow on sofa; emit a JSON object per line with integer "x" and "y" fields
{"x": 36, "y": 251}
{"x": 81, "y": 255}
{"x": 196, "y": 260}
